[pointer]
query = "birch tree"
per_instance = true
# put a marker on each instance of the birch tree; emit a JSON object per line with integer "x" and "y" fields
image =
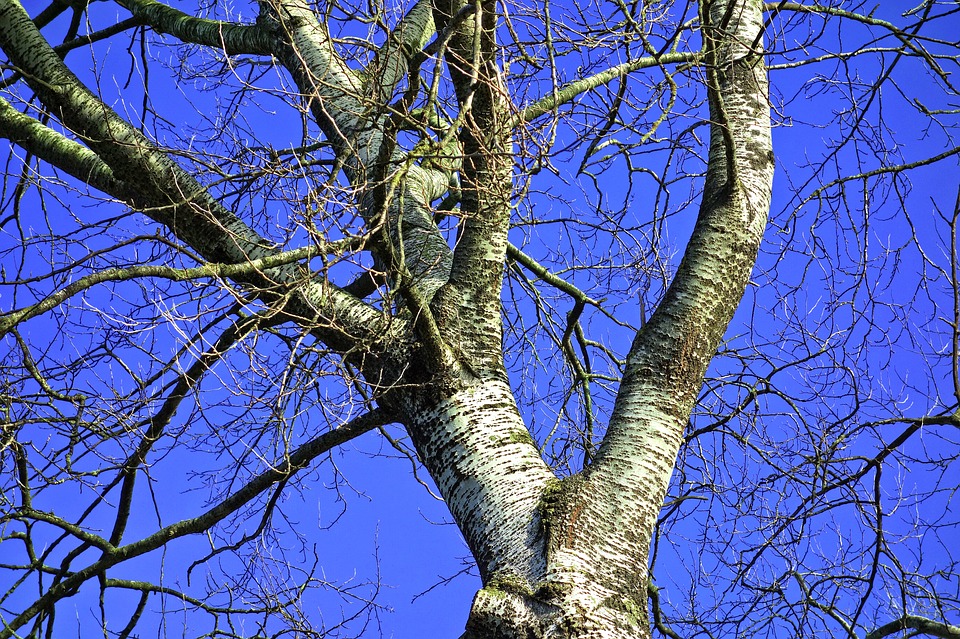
{"x": 509, "y": 243}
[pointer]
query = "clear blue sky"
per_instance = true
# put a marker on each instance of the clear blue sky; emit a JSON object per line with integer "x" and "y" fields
{"x": 362, "y": 511}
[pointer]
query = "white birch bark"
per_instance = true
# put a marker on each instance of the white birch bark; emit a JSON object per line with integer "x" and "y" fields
{"x": 356, "y": 122}
{"x": 470, "y": 303}
{"x": 491, "y": 476}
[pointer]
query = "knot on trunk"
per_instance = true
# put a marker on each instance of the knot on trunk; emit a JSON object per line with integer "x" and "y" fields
{"x": 508, "y": 609}
{"x": 501, "y": 612}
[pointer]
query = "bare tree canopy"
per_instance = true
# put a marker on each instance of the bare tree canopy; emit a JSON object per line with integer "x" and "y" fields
{"x": 661, "y": 298}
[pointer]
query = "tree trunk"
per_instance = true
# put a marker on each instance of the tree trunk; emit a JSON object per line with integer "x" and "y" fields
{"x": 594, "y": 529}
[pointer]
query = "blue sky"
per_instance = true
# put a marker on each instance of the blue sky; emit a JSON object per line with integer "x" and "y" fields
{"x": 852, "y": 273}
